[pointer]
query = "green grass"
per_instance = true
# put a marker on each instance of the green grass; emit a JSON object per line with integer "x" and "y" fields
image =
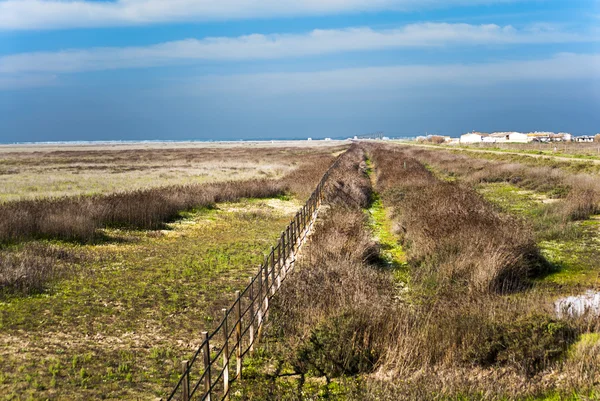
{"x": 120, "y": 324}
{"x": 573, "y": 249}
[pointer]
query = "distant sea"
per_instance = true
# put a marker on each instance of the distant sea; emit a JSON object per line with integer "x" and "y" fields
{"x": 113, "y": 142}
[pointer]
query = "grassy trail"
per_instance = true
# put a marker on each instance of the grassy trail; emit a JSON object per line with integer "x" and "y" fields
{"x": 391, "y": 251}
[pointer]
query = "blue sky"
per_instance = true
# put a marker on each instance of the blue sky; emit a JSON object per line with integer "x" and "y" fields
{"x": 274, "y": 69}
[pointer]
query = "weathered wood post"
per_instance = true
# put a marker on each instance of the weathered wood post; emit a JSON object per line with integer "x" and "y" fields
{"x": 260, "y": 298}
{"x": 272, "y": 263}
{"x": 282, "y": 242}
{"x": 251, "y": 327}
{"x": 225, "y": 356}
{"x": 238, "y": 335}
{"x": 206, "y": 352}
{"x": 266, "y": 282}
{"x": 185, "y": 391}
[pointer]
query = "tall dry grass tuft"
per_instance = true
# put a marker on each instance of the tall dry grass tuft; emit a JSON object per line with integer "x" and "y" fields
{"x": 31, "y": 268}
{"x": 451, "y": 232}
{"x": 78, "y": 218}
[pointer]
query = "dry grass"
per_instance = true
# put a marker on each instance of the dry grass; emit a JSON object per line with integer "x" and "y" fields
{"x": 451, "y": 232}
{"x": 448, "y": 336}
{"x": 78, "y": 218}
{"x": 580, "y": 191}
{"x": 40, "y": 172}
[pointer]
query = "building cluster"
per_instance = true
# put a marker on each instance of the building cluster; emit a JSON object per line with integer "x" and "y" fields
{"x": 519, "y": 137}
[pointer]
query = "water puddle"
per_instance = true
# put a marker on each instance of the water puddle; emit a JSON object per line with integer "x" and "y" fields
{"x": 578, "y": 305}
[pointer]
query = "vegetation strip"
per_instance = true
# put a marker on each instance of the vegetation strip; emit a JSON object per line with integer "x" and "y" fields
{"x": 472, "y": 325}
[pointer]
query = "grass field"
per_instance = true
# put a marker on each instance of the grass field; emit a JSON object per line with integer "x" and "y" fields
{"x": 28, "y": 172}
{"x": 430, "y": 275}
{"x": 112, "y": 316}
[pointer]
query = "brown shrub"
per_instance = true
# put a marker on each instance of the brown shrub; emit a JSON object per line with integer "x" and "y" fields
{"x": 451, "y": 232}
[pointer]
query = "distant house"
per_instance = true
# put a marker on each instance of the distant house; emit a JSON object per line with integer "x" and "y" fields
{"x": 496, "y": 137}
{"x": 473, "y": 137}
{"x": 562, "y": 137}
{"x": 539, "y": 136}
{"x": 584, "y": 138}
{"x": 518, "y": 137}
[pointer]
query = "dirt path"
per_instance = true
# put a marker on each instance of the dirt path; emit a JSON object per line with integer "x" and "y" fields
{"x": 497, "y": 152}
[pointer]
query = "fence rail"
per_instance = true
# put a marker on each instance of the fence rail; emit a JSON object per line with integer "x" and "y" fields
{"x": 209, "y": 373}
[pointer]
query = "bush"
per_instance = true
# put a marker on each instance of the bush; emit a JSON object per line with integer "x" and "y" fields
{"x": 342, "y": 345}
{"x": 531, "y": 343}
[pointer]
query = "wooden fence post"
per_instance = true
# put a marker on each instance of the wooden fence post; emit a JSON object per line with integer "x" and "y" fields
{"x": 279, "y": 261}
{"x": 185, "y": 391}
{"x": 251, "y": 328}
{"x": 238, "y": 335}
{"x": 282, "y": 242}
{"x": 206, "y": 352}
{"x": 266, "y": 283}
{"x": 225, "y": 356}
{"x": 260, "y": 298}
{"x": 272, "y": 263}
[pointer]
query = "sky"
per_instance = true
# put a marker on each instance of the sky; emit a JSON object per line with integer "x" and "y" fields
{"x": 83, "y": 70}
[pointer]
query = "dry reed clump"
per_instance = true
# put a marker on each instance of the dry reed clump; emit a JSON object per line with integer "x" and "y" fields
{"x": 452, "y": 234}
{"x": 78, "y": 218}
{"x": 30, "y": 269}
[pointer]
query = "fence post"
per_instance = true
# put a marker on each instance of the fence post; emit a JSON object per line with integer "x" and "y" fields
{"x": 225, "y": 356}
{"x": 185, "y": 391}
{"x": 206, "y": 352}
{"x": 260, "y": 298}
{"x": 266, "y": 282}
{"x": 279, "y": 261}
{"x": 251, "y": 328}
{"x": 238, "y": 335}
{"x": 272, "y": 263}
{"x": 282, "y": 241}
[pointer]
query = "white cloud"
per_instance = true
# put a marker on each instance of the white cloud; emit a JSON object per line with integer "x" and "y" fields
{"x": 563, "y": 66}
{"x": 560, "y": 67}
{"x": 53, "y": 14}
{"x": 257, "y": 47}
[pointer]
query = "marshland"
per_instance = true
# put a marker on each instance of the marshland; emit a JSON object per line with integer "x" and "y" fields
{"x": 430, "y": 274}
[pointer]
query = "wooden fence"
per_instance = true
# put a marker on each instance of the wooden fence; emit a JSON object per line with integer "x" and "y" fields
{"x": 218, "y": 360}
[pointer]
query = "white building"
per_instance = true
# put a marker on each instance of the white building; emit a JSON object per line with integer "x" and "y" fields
{"x": 564, "y": 136}
{"x": 518, "y": 137}
{"x": 472, "y": 137}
